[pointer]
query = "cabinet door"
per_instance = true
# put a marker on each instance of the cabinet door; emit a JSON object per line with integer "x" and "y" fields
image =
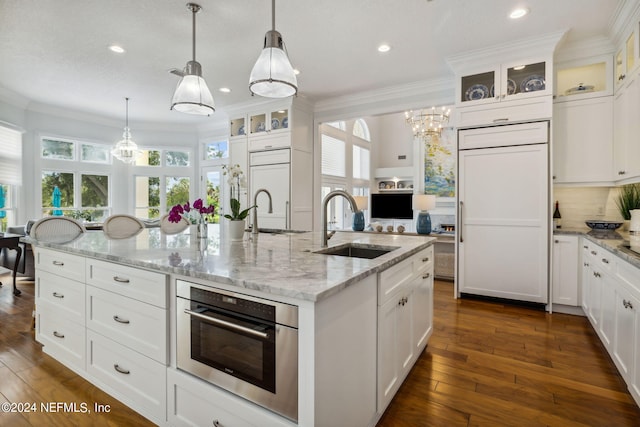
{"x": 395, "y": 348}
{"x": 607, "y": 311}
{"x": 594, "y": 297}
{"x": 525, "y": 79}
{"x": 422, "y": 309}
{"x": 275, "y": 179}
{"x": 626, "y": 129}
{"x": 565, "y": 270}
{"x": 626, "y": 335}
{"x": 586, "y": 277}
{"x": 582, "y": 148}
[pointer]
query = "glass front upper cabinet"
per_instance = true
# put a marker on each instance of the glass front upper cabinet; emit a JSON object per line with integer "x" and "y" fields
{"x": 238, "y": 127}
{"x": 626, "y": 59}
{"x": 272, "y": 121}
{"x": 509, "y": 81}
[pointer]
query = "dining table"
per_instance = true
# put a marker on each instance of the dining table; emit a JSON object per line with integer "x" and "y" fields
{"x": 11, "y": 242}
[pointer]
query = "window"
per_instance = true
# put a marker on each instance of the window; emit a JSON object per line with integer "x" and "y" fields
{"x": 163, "y": 178}
{"x": 361, "y": 164}
{"x": 10, "y": 174}
{"x": 216, "y": 150}
{"x": 361, "y": 130}
{"x": 80, "y": 171}
{"x": 333, "y": 158}
{"x": 338, "y": 125}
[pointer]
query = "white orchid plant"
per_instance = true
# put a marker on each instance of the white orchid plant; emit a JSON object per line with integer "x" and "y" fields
{"x": 236, "y": 181}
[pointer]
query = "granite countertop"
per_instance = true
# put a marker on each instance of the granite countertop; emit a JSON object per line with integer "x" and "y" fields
{"x": 614, "y": 241}
{"x": 282, "y": 263}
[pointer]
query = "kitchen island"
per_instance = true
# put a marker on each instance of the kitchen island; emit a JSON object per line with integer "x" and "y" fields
{"x": 361, "y": 322}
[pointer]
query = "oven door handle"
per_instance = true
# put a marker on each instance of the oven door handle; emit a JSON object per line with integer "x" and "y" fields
{"x": 227, "y": 324}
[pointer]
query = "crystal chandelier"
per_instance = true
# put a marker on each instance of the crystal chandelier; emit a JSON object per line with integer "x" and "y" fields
{"x": 126, "y": 150}
{"x": 427, "y": 124}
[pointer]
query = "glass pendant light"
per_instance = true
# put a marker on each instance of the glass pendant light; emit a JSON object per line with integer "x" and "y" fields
{"x": 126, "y": 150}
{"x": 272, "y": 76}
{"x": 192, "y": 94}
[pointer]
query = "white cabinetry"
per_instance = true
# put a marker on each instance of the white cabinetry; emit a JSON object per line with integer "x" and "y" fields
{"x": 60, "y": 306}
{"x": 195, "y": 403}
{"x": 626, "y": 129}
{"x": 611, "y": 297}
{"x": 405, "y": 320}
{"x": 107, "y": 322}
{"x": 279, "y": 144}
{"x": 582, "y": 141}
{"x": 564, "y": 277}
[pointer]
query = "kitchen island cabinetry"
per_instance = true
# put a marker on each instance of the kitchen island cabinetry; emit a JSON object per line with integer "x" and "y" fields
{"x": 130, "y": 297}
{"x": 611, "y": 298}
{"x": 60, "y": 306}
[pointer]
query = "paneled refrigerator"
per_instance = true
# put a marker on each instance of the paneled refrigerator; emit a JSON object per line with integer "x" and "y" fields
{"x": 503, "y": 231}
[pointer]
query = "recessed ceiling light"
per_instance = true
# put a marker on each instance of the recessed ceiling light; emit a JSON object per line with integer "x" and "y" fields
{"x": 519, "y": 67}
{"x": 296, "y": 71}
{"x": 384, "y": 48}
{"x": 224, "y": 90}
{"x": 117, "y": 49}
{"x": 518, "y": 13}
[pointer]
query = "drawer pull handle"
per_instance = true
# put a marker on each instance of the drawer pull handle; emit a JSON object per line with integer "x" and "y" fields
{"x": 58, "y": 263}
{"x": 425, "y": 259}
{"x": 403, "y": 301}
{"x": 594, "y": 253}
{"x": 627, "y": 304}
{"x": 57, "y": 295}
{"x": 119, "y": 369}
{"x": 58, "y": 334}
{"x": 120, "y": 279}
{"x": 226, "y": 324}
{"x": 426, "y": 276}
{"x": 606, "y": 261}
{"x": 216, "y": 423}
{"x": 120, "y": 320}
{"x": 505, "y": 119}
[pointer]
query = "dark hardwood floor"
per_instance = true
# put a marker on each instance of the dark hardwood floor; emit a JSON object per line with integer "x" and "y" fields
{"x": 486, "y": 365}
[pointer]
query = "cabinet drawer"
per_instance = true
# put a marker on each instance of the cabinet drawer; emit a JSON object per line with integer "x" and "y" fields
{"x": 66, "y": 296}
{"x": 195, "y": 403}
{"x": 270, "y": 141}
{"x": 60, "y": 263}
{"x": 138, "y": 381}
{"x": 505, "y": 112}
{"x": 63, "y": 338}
{"x": 269, "y": 157}
{"x": 139, "y": 326}
{"x": 601, "y": 258}
{"x": 392, "y": 279}
{"x": 423, "y": 260}
{"x": 146, "y": 286}
{"x": 630, "y": 275}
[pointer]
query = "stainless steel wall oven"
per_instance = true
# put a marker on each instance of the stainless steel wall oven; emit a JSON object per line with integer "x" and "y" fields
{"x": 244, "y": 344}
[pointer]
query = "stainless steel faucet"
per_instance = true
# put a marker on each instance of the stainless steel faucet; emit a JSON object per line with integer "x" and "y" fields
{"x": 325, "y": 204}
{"x": 255, "y": 210}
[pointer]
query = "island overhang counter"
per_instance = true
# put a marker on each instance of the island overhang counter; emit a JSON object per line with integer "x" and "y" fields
{"x": 348, "y": 369}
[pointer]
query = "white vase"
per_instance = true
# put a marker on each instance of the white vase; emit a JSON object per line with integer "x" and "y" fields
{"x": 236, "y": 230}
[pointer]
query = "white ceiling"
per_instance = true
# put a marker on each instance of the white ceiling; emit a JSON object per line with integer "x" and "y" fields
{"x": 55, "y": 52}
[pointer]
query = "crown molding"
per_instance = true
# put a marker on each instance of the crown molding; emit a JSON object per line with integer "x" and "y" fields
{"x": 496, "y": 54}
{"x": 389, "y": 99}
{"x": 580, "y": 49}
{"x": 623, "y": 18}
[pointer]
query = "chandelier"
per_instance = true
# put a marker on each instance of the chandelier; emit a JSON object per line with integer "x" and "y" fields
{"x": 427, "y": 124}
{"x": 126, "y": 150}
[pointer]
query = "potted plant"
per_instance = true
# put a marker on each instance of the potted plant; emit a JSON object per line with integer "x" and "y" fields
{"x": 238, "y": 215}
{"x": 628, "y": 200}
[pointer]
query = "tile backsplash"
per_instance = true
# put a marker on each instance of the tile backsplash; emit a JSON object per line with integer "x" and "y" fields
{"x": 579, "y": 204}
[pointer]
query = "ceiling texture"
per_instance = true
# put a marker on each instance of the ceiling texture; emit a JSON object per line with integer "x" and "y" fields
{"x": 55, "y": 52}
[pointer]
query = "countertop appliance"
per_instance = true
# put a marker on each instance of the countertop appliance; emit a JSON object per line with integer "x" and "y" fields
{"x": 244, "y": 344}
{"x": 503, "y": 212}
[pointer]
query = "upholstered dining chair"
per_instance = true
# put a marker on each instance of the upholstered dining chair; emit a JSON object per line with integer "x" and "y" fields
{"x": 168, "y": 227}
{"x": 121, "y": 226}
{"x": 56, "y": 229}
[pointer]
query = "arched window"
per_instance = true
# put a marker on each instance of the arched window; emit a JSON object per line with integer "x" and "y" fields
{"x": 361, "y": 130}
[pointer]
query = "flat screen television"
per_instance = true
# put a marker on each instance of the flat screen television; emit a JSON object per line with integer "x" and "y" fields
{"x": 391, "y": 205}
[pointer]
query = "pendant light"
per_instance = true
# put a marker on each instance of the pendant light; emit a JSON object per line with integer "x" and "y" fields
{"x": 126, "y": 150}
{"x": 272, "y": 76}
{"x": 192, "y": 94}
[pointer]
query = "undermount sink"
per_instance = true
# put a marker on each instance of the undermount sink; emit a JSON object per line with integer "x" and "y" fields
{"x": 357, "y": 251}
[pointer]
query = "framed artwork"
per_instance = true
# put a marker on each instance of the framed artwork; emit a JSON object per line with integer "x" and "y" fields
{"x": 439, "y": 166}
